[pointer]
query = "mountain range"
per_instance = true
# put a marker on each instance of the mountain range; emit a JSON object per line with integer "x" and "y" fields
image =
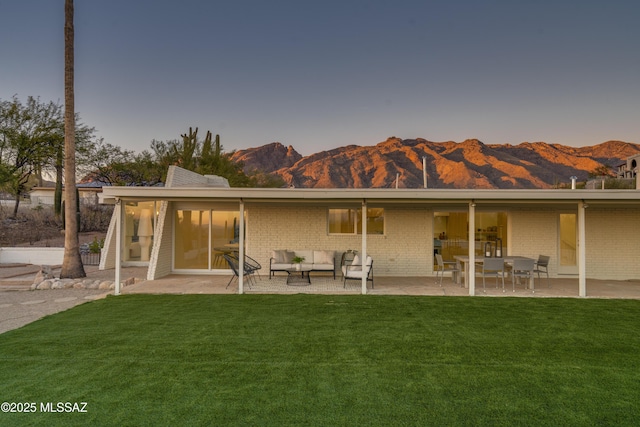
{"x": 467, "y": 164}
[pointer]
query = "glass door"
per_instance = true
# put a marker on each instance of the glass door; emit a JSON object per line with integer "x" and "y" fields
{"x": 568, "y": 244}
{"x": 203, "y": 237}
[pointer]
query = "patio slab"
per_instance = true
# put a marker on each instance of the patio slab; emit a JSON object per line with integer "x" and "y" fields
{"x": 215, "y": 284}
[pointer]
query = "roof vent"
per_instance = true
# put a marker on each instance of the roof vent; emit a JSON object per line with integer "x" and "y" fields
{"x": 573, "y": 182}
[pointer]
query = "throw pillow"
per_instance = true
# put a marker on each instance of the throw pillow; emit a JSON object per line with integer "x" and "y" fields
{"x": 288, "y": 257}
{"x": 323, "y": 257}
{"x": 357, "y": 263}
{"x": 278, "y": 256}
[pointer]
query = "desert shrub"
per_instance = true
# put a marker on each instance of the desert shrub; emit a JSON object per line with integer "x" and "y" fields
{"x": 95, "y": 217}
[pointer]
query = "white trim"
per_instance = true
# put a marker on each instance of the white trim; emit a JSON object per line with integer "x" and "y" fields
{"x": 430, "y": 196}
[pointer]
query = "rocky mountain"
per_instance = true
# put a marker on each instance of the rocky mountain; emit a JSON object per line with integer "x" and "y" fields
{"x": 468, "y": 164}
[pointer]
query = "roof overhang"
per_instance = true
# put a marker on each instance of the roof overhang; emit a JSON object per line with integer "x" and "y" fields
{"x": 421, "y": 197}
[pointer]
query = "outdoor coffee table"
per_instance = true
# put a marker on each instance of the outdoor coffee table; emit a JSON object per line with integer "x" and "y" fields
{"x": 297, "y": 277}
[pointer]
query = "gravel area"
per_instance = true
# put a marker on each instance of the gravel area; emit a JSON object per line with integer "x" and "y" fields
{"x": 18, "y": 308}
{"x": 19, "y": 305}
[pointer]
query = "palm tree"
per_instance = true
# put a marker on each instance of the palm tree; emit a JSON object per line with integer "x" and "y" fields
{"x": 72, "y": 262}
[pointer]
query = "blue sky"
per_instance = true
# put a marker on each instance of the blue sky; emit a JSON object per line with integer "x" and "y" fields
{"x": 323, "y": 74}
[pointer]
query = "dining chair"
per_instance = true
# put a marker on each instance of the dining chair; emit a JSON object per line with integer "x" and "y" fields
{"x": 542, "y": 266}
{"x": 492, "y": 267}
{"x": 522, "y": 268}
{"x": 446, "y": 267}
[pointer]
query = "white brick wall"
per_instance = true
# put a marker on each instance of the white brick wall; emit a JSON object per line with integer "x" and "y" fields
{"x": 162, "y": 252}
{"x": 403, "y": 250}
{"x": 178, "y": 177}
{"x": 613, "y": 243}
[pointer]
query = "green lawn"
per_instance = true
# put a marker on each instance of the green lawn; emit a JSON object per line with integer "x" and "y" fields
{"x": 329, "y": 360}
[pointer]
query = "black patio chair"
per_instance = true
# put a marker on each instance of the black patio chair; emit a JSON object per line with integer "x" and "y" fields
{"x": 234, "y": 265}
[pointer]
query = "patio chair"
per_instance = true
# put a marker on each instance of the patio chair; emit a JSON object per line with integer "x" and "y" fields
{"x": 492, "y": 267}
{"x": 250, "y": 265}
{"x": 355, "y": 271}
{"x": 542, "y": 266}
{"x": 234, "y": 265}
{"x": 446, "y": 267}
{"x": 522, "y": 268}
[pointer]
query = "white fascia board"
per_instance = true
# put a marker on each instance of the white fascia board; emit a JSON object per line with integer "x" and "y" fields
{"x": 372, "y": 195}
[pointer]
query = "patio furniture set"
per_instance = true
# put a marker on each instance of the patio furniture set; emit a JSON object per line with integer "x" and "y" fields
{"x": 518, "y": 267}
{"x": 299, "y": 264}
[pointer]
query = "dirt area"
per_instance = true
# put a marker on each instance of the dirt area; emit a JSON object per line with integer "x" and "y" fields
{"x": 22, "y": 235}
{"x": 40, "y": 228}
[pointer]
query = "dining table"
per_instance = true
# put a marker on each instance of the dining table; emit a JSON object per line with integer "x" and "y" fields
{"x": 479, "y": 259}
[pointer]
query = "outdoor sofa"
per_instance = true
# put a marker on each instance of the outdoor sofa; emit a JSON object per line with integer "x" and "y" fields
{"x": 282, "y": 260}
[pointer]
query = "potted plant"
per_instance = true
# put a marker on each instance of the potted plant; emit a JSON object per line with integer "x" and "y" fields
{"x": 297, "y": 260}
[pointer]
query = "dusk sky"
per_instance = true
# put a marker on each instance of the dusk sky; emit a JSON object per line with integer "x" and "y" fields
{"x": 323, "y": 74}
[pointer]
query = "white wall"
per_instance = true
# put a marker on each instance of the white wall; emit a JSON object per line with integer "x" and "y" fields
{"x": 37, "y": 256}
{"x": 406, "y": 249}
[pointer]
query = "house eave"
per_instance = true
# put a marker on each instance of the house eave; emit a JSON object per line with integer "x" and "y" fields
{"x": 376, "y": 196}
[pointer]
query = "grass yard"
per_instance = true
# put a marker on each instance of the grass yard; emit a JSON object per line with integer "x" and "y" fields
{"x": 328, "y": 360}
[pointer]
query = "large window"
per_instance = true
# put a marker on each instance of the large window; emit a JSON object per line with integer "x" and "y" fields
{"x": 139, "y": 226}
{"x": 349, "y": 221}
{"x": 451, "y": 233}
{"x": 202, "y": 237}
{"x": 191, "y": 239}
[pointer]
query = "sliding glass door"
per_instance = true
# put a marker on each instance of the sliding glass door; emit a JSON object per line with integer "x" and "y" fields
{"x": 568, "y": 244}
{"x": 203, "y": 236}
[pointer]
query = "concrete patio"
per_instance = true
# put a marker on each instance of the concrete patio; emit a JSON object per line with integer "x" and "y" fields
{"x": 21, "y": 277}
{"x": 214, "y": 284}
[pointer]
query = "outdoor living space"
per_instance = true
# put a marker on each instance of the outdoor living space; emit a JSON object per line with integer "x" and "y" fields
{"x": 195, "y": 222}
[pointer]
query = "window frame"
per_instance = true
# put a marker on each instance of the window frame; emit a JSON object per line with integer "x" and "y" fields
{"x": 356, "y": 214}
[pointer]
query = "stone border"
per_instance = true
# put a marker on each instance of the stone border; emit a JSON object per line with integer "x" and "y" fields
{"x": 45, "y": 279}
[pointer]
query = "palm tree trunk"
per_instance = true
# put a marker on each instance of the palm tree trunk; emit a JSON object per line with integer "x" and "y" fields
{"x": 72, "y": 262}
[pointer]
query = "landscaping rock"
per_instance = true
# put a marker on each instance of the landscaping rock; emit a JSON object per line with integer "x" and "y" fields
{"x": 105, "y": 285}
{"x": 45, "y": 284}
{"x": 45, "y": 273}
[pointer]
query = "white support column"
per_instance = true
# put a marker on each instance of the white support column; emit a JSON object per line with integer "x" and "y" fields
{"x": 471, "y": 271}
{"x": 424, "y": 171}
{"x": 118, "y": 245}
{"x": 241, "y": 250}
{"x": 364, "y": 245}
{"x": 582, "y": 250}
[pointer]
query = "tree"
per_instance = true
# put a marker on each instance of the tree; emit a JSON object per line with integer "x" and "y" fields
{"x": 29, "y": 135}
{"x": 112, "y": 165}
{"x": 72, "y": 262}
{"x": 207, "y": 158}
{"x": 32, "y": 143}
{"x": 214, "y": 161}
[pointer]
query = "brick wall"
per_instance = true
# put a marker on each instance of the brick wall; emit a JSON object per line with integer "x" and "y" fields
{"x": 403, "y": 250}
{"x": 613, "y": 243}
{"x": 178, "y": 177}
{"x": 161, "y": 255}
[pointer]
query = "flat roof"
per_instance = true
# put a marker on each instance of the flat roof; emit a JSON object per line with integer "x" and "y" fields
{"x": 378, "y": 196}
